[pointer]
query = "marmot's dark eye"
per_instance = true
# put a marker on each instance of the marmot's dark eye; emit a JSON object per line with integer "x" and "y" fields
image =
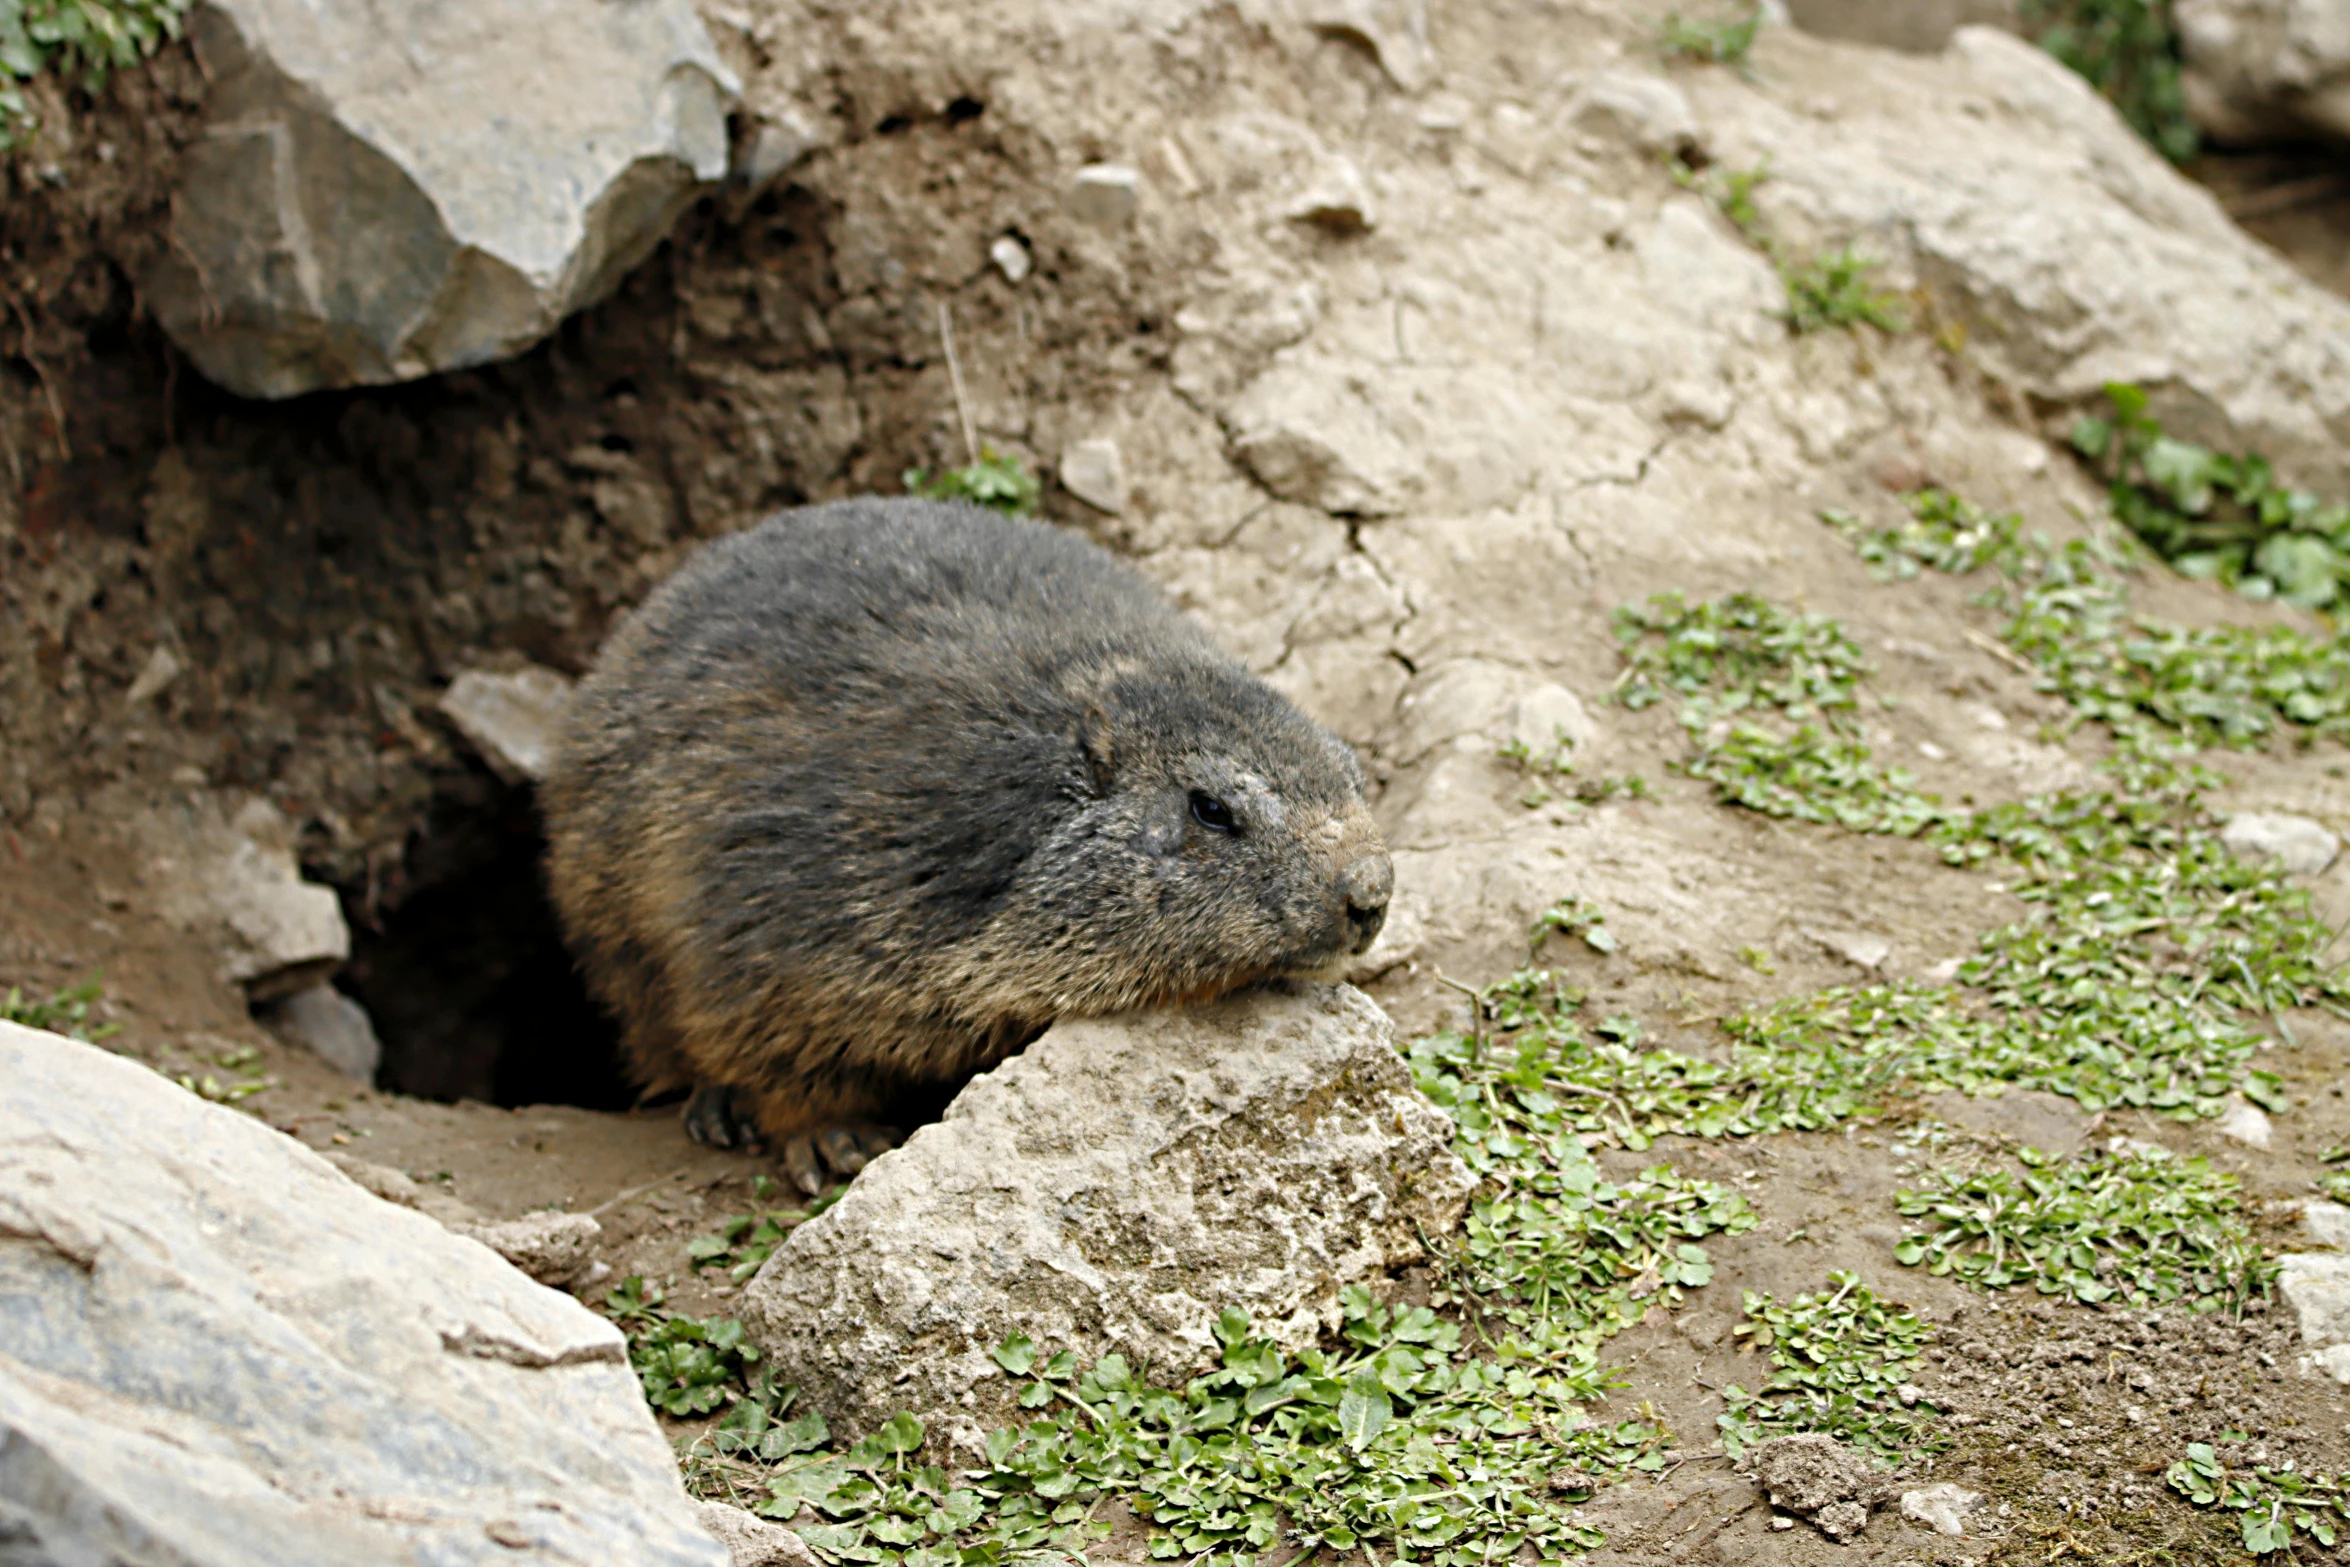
{"x": 1212, "y": 813}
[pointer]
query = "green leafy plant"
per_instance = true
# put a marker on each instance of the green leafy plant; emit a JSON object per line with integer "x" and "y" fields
{"x": 2129, "y": 51}
{"x": 66, "y": 1011}
{"x": 746, "y": 1240}
{"x": 1452, "y": 1433}
{"x": 2069, "y": 617}
{"x": 1396, "y": 1435}
{"x": 2276, "y": 1504}
{"x": 1528, "y": 1070}
{"x": 689, "y": 1366}
{"x": 2139, "y": 1225}
{"x": 2335, "y": 1183}
{"x": 995, "y": 480}
{"x": 1841, "y": 1363}
{"x": 2146, "y": 942}
{"x": 1573, "y": 917}
{"x": 243, "y": 1061}
{"x": 85, "y": 39}
{"x": 1837, "y": 289}
{"x": 1719, "y": 40}
{"x": 1731, "y": 191}
{"x": 2214, "y": 516}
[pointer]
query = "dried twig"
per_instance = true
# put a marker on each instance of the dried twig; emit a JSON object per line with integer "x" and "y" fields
{"x": 946, "y": 335}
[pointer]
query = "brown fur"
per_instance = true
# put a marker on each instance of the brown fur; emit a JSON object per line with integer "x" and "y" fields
{"x": 864, "y": 798}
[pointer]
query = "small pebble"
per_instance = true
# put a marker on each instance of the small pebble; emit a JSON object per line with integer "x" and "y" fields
{"x": 1106, "y": 195}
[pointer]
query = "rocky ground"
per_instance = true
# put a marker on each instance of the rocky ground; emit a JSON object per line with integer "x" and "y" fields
{"x": 1416, "y": 361}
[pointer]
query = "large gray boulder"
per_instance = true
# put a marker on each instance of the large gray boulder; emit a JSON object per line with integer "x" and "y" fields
{"x": 215, "y": 1351}
{"x": 2258, "y": 70}
{"x": 2052, "y": 245}
{"x": 1115, "y": 1187}
{"x": 382, "y": 193}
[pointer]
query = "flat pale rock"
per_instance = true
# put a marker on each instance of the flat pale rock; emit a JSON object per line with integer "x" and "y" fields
{"x": 232, "y": 879}
{"x": 216, "y": 1351}
{"x": 1095, "y": 472}
{"x": 1115, "y": 1187}
{"x": 381, "y": 193}
{"x": 2300, "y": 846}
{"x": 2273, "y": 70}
{"x": 2317, "y": 1286}
{"x": 2328, "y": 1224}
{"x": 2245, "y": 1123}
{"x": 1941, "y": 1507}
{"x": 333, "y": 1027}
{"x": 511, "y": 718}
{"x": 2069, "y": 252}
{"x": 753, "y": 1541}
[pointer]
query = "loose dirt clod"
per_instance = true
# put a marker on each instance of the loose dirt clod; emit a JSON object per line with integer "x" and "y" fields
{"x": 1819, "y": 1478}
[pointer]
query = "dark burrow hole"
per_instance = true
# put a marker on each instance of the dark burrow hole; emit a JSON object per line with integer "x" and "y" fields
{"x": 466, "y": 978}
{"x": 465, "y": 973}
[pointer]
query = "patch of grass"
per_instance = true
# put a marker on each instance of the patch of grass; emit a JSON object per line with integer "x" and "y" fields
{"x": 1737, "y": 655}
{"x": 1567, "y": 1259}
{"x": 689, "y": 1366}
{"x": 1841, "y": 1363}
{"x": 995, "y": 480}
{"x": 2129, "y": 51}
{"x": 2335, "y": 1183}
{"x": 1722, "y": 39}
{"x": 2146, "y": 947}
{"x": 2217, "y": 517}
{"x": 87, "y": 40}
{"x": 1395, "y": 1435}
{"x": 66, "y": 1011}
{"x": 1452, "y": 1434}
{"x": 2275, "y": 1505}
{"x": 2134, "y": 1225}
{"x": 1529, "y": 1069}
{"x": 1573, "y": 917}
{"x": 244, "y": 1084}
{"x": 1556, "y": 760}
{"x": 745, "y": 1240}
{"x": 1550, "y": 769}
{"x": 1837, "y": 289}
{"x": 2069, "y": 616}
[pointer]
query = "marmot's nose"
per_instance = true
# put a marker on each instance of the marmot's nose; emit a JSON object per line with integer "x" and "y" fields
{"x": 1365, "y": 885}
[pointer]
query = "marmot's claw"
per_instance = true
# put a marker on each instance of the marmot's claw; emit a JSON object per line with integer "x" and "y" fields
{"x": 802, "y": 1165}
{"x": 715, "y": 1119}
{"x": 839, "y": 1146}
{"x": 836, "y": 1153}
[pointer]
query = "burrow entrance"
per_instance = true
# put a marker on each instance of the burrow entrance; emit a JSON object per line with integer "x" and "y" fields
{"x": 467, "y": 979}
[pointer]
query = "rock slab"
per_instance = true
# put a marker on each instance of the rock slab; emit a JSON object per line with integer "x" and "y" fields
{"x": 380, "y": 195}
{"x": 1115, "y": 1187}
{"x": 232, "y": 878}
{"x": 2300, "y": 846}
{"x": 331, "y": 1026}
{"x": 2317, "y": 1286}
{"x": 1941, "y": 1507}
{"x": 2259, "y": 70}
{"x": 511, "y": 718}
{"x": 215, "y": 1351}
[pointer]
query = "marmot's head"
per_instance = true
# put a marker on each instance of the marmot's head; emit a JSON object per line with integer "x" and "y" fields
{"x": 1210, "y": 835}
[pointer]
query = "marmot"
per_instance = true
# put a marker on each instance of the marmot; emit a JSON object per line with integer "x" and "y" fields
{"x": 863, "y": 798}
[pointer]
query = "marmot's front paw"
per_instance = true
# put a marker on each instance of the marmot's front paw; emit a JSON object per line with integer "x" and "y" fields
{"x": 719, "y": 1117}
{"x": 844, "y": 1150}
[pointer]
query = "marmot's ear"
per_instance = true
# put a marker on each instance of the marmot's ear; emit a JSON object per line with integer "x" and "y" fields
{"x": 1093, "y": 738}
